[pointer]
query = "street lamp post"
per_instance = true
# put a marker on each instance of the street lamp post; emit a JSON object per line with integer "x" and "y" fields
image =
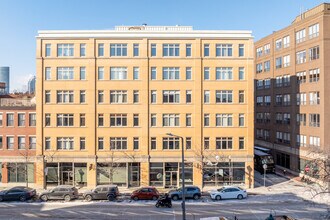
{"x": 182, "y": 176}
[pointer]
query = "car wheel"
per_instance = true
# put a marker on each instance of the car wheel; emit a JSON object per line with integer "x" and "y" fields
{"x": 154, "y": 198}
{"x": 175, "y": 197}
{"x": 218, "y": 197}
{"x": 196, "y": 196}
{"x": 88, "y": 198}
{"x": 239, "y": 196}
{"x": 67, "y": 198}
{"x": 135, "y": 198}
{"x": 1, "y": 198}
{"x": 111, "y": 198}
{"x": 22, "y": 198}
{"x": 44, "y": 198}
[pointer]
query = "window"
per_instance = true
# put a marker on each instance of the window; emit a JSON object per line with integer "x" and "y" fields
{"x": 286, "y": 41}
{"x": 64, "y": 96}
{"x": 224, "y": 50}
{"x": 224, "y": 120}
{"x": 279, "y": 137}
{"x": 65, "y": 50}
{"x": 118, "y": 120}
{"x": 314, "y": 141}
{"x": 100, "y": 73}
{"x": 301, "y": 140}
{"x": 153, "y": 96}
{"x": 286, "y": 99}
{"x": 260, "y": 100}
{"x": 118, "y": 143}
{"x": 100, "y": 50}
{"x": 286, "y": 138}
{"x": 206, "y": 96}
{"x": 278, "y": 62}
{"x": 171, "y": 120}
{"x": 136, "y": 73}
{"x": 301, "y": 57}
{"x": 153, "y": 121}
{"x": 286, "y": 61}
{"x": 170, "y": 73}
{"x": 314, "y": 98}
{"x": 286, "y": 80}
{"x": 47, "y": 120}
{"x": 171, "y": 96}
{"x": 206, "y": 143}
{"x": 118, "y": 96}
{"x": 118, "y": 73}
{"x": 47, "y": 96}
{"x": 32, "y": 142}
{"x": 206, "y": 50}
{"x": 188, "y": 73}
{"x": 48, "y": 50}
{"x": 118, "y": 50}
{"x": 188, "y": 50}
{"x": 188, "y": 143}
{"x": 300, "y": 36}
{"x": 171, "y": 143}
{"x": 32, "y": 119}
{"x": 278, "y": 99}
{"x": 241, "y": 50}
{"x": 313, "y": 31}
{"x": 135, "y": 143}
{"x": 224, "y": 73}
{"x": 21, "y": 119}
{"x": 259, "y": 68}
{"x": 82, "y": 120}
{"x": 153, "y": 73}
{"x": 21, "y": 143}
{"x": 64, "y": 120}
{"x": 241, "y": 73}
{"x": 267, "y": 66}
{"x": 135, "y": 120}
{"x": 171, "y": 50}
{"x": 260, "y": 84}
{"x": 136, "y": 96}
{"x": 314, "y": 53}
{"x": 259, "y": 52}
{"x": 301, "y": 119}
{"x": 278, "y": 44}
{"x": 100, "y": 143}
{"x": 279, "y": 118}
{"x": 224, "y": 143}
{"x": 135, "y": 50}
{"x": 188, "y": 120}
{"x": 241, "y": 121}
{"x": 153, "y": 143}
{"x": 82, "y": 73}
{"x": 206, "y": 73}
{"x": 267, "y": 49}
{"x": 206, "y": 120}
{"x": 224, "y": 96}
{"x": 82, "y": 96}
{"x": 314, "y": 75}
{"x": 64, "y": 143}
{"x": 100, "y": 96}
{"x": 241, "y": 143}
{"x": 48, "y": 74}
{"x": 10, "y": 143}
{"x": 301, "y": 98}
{"x": 64, "y": 73}
{"x": 267, "y": 83}
{"x": 241, "y": 96}
{"x": 82, "y": 143}
{"x": 301, "y": 77}
{"x": 153, "y": 50}
{"x": 82, "y": 50}
{"x": 47, "y": 143}
{"x": 314, "y": 120}
{"x": 188, "y": 96}
{"x": 286, "y": 118}
{"x": 267, "y": 100}
{"x": 100, "y": 120}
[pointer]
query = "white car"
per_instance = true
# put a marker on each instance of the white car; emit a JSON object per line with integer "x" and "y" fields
{"x": 228, "y": 192}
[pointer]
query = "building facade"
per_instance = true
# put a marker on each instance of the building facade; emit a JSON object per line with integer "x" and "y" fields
{"x": 292, "y": 108}
{"x": 32, "y": 85}
{"x": 17, "y": 141}
{"x": 106, "y": 101}
{"x": 4, "y": 77}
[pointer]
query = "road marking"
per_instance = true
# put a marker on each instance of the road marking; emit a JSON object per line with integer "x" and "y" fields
{"x": 255, "y": 215}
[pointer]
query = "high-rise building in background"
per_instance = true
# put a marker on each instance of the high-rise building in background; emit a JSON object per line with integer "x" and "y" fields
{"x": 4, "y": 77}
{"x": 107, "y": 99}
{"x": 292, "y": 104}
{"x": 32, "y": 85}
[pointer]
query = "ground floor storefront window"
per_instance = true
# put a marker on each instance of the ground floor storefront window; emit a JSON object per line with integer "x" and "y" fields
{"x": 120, "y": 174}
{"x": 222, "y": 174}
{"x": 66, "y": 174}
{"x": 168, "y": 175}
{"x": 20, "y": 172}
{"x": 283, "y": 160}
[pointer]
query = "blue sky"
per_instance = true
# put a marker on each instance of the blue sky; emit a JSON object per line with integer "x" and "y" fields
{"x": 21, "y": 19}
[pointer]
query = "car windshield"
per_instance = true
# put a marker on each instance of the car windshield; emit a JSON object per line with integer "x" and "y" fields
{"x": 269, "y": 159}
{"x": 222, "y": 188}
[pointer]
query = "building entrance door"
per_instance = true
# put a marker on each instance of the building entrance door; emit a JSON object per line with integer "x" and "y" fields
{"x": 171, "y": 179}
{"x": 67, "y": 178}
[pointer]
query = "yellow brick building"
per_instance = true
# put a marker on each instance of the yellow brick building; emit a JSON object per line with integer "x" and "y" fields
{"x": 106, "y": 100}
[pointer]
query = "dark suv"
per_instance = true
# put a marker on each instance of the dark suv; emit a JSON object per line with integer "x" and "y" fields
{"x": 60, "y": 192}
{"x": 191, "y": 192}
{"x": 109, "y": 192}
{"x": 18, "y": 193}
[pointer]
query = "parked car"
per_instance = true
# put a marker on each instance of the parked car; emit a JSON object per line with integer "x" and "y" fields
{"x": 191, "y": 192}
{"x": 61, "y": 192}
{"x": 18, "y": 193}
{"x": 228, "y": 192}
{"x": 109, "y": 192}
{"x": 145, "y": 193}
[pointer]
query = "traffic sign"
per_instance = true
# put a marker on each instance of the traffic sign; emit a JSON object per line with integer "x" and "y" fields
{"x": 264, "y": 166}
{"x": 264, "y": 161}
